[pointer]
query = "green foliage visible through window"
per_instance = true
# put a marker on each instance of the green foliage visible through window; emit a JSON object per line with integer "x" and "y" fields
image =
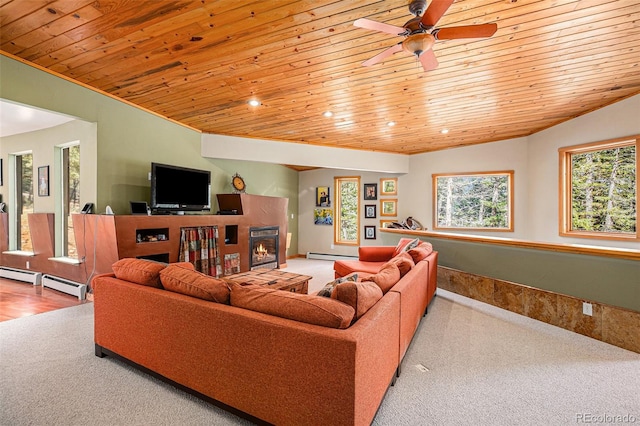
{"x": 473, "y": 200}
{"x": 347, "y": 210}
{"x": 602, "y": 191}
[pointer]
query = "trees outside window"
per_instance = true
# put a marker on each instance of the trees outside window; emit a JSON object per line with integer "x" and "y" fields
{"x": 70, "y": 196}
{"x": 599, "y": 195}
{"x": 23, "y": 202}
{"x": 347, "y": 224}
{"x": 473, "y": 201}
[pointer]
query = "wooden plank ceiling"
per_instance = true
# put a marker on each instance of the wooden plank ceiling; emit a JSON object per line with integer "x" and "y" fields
{"x": 198, "y": 62}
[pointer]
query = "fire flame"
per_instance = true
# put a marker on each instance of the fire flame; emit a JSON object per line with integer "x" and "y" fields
{"x": 261, "y": 251}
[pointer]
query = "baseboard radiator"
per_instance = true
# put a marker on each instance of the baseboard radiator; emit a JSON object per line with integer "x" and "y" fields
{"x": 65, "y": 286}
{"x": 21, "y": 275}
{"x": 323, "y": 256}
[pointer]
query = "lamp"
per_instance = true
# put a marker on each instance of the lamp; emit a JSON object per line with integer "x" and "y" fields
{"x": 418, "y": 43}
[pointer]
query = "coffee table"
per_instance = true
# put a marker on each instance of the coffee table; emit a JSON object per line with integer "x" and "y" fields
{"x": 273, "y": 278}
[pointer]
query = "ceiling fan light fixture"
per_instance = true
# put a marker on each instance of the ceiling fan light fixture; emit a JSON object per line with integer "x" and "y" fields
{"x": 418, "y": 43}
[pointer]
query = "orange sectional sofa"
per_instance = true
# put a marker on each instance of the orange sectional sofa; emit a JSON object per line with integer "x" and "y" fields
{"x": 267, "y": 355}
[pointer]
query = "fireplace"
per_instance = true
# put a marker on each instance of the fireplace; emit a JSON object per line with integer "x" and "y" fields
{"x": 263, "y": 246}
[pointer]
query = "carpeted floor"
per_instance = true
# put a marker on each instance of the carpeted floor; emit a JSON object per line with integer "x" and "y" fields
{"x": 469, "y": 364}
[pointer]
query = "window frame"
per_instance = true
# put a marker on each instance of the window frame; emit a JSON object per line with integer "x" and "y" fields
{"x": 510, "y": 197}
{"x": 337, "y": 180}
{"x": 565, "y": 195}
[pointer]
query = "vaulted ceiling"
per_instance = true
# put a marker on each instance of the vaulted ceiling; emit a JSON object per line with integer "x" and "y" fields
{"x": 199, "y": 62}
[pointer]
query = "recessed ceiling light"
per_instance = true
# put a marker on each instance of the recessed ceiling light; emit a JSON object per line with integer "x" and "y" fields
{"x": 391, "y": 123}
{"x": 444, "y": 131}
{"x": 327, "y": 114}
{"x": 254, "y": 102}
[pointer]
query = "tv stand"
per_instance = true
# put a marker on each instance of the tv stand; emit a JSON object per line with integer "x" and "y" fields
{"x": 114, "y": 237}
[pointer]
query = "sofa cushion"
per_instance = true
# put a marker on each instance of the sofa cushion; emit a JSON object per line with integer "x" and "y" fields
{"x": 386, "y": 278}
{"x": 405, "y": 244}
{"x": 404, "y": 261}
{"x": 360, "y": 296}
{"x": 139, "y": 271}
{"x": 328, "y": 287}
{"x": 420, "y": 252}
{"x": 295, "y": 306}
{"x": 181, "y": 279}
{"x": 345, "y": 267}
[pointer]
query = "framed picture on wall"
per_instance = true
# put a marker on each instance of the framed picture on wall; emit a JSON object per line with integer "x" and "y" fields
{"x": 389, "y": 207}
{"x": 43, "y": 181}
{"x": 0, "y": 171}
{"x": 370, "y": 211}
{"x": 385, "y": 223}
{"x": 389, "y": 186}
{"x": 370, "y": 191}
{"x": 323, "y": 216}
{"x": 322, "y": 197}
{"x": 369, "y": 232}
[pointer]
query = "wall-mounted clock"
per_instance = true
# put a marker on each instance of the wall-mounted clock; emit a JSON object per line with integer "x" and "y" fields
{"x": 238, "y": 183}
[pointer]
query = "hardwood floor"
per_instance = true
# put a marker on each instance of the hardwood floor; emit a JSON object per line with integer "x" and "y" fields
{"x": 19, "y": 299}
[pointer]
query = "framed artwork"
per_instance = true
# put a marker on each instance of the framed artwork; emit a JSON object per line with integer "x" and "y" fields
{"x": 370, "y": 191}
{"x": 322, "y": 197}
{"x": 369, "y": 232}
{"x": 43, "y": 181}
{"x": 389, "y": 186}
{"x": 389, "y": 207}
{"x": 0, "y": 171}
{"x": 385, "y": 223}
{"x": 370, "y": 211}
{"x": 323, "y": 216}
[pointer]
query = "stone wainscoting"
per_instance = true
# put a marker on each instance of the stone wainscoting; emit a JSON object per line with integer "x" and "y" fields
{"x": 610, "y": 324}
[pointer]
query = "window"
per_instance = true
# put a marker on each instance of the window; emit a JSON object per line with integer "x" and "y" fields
{"x": 347, "y": 224}
{"x": 23, "y": 202}
{"x": 598, "y": 189}
{"x": 70, "y": 196}
{"x": 481, "y": 201}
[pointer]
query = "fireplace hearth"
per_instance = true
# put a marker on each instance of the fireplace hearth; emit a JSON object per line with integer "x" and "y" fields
{"x": 263, "y": 246}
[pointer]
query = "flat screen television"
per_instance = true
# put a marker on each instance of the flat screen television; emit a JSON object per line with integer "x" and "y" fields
{"x": 179, "y": 189}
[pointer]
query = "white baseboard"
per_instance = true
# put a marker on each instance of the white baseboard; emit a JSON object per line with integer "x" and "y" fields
{"x": 324, "y": 256}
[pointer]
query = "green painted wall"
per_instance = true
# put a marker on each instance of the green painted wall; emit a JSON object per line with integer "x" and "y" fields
{"x": 129, "y": 139}
{"x": 602, "y": 279}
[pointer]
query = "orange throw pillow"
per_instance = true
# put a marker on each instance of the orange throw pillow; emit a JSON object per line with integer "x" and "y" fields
{"x": 180, "y": 279}
{"x": 404, "y": 262}
{"x": 316, "y": 310}
{"x": 139, "y": 271}
{"x": 360, "y": 296}
{"x": 386, "y": 278}
{"x": 419, "y": 253}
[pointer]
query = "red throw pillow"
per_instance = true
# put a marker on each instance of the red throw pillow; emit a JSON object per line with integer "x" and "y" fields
{"x": 404, "y": 262}
{"x": 306, "y": 308}
{"x": 419, "y": 253}
{"x": 360, "y": 296}
{"x": 386, "y": 278}
{"x": 139, "y": 271}
{"x": 181, "y": 279}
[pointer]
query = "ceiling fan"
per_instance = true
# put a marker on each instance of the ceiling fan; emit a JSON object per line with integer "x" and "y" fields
{"x": 420, "y": 32}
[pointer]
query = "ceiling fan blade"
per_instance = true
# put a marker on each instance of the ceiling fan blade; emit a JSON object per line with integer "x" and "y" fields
{"x": 466, "y": 31}
{"x": 428, "y": 60}
{"x": 378, "y": 26}
{"x": 383, "y": 55}
{"x": 434, "y": 12}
